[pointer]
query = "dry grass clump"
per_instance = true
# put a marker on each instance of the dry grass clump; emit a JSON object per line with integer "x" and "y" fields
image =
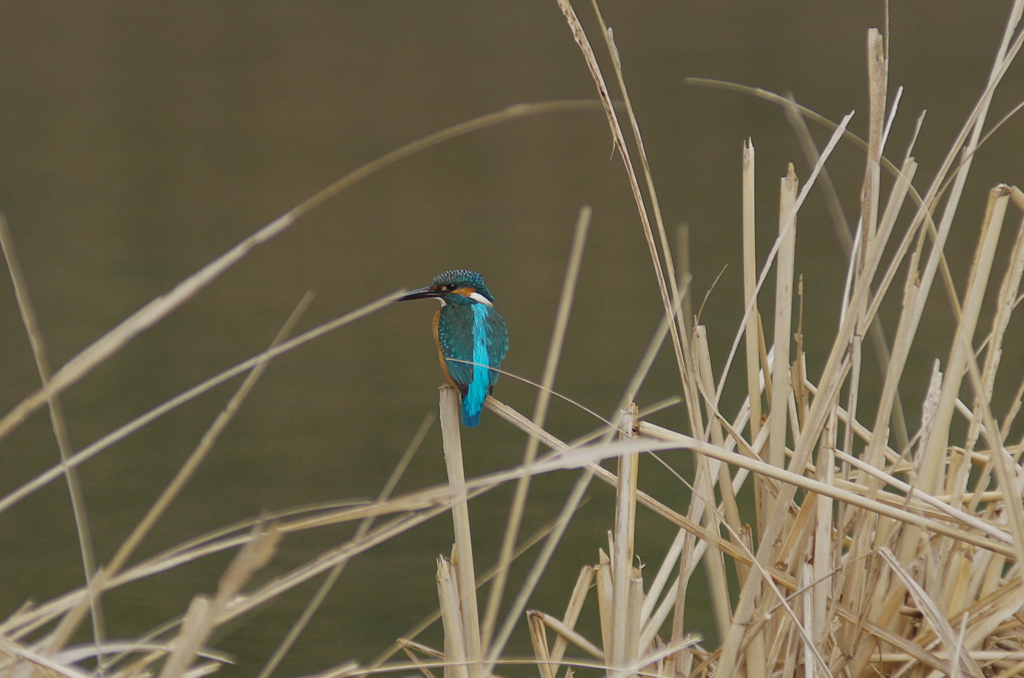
{"x": 867, "y": 558}
{"x": 874, "y": 550}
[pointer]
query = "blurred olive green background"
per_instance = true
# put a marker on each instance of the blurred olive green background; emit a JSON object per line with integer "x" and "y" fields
{"x": 140, "y": 140}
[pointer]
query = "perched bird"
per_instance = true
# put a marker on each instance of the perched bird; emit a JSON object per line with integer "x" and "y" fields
{"x": 471, "y": 336}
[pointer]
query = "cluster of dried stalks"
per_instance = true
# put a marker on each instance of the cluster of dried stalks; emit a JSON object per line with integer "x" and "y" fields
{"x": 873, "y": 550}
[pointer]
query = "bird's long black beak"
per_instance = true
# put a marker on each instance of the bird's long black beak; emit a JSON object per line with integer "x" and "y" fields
{"x": 421, "y": 293}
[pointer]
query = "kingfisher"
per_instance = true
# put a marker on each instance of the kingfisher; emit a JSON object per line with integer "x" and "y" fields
{"x": 470, "y": 334}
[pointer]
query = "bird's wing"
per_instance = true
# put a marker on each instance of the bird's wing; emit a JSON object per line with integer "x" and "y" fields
{"x": 455, "y": 335}
{"x": 497, "y": 343}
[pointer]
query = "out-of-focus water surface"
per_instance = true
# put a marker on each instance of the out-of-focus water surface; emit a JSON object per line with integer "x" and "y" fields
{"x": 138, "y": 141}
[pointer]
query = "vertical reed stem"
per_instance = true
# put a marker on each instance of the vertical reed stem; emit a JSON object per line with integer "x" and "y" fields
{"x": 454, "y": 632}
{"x": 622, "y": 556}
{"x": 750, "y": 290}
{"x": 463, "y": 558}
{"x": 783, "y": 319}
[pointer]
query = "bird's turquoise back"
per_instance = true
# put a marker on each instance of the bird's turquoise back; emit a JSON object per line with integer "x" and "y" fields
{"x": 473, "y": 340}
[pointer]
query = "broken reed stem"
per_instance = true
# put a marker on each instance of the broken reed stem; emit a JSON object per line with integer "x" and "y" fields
{"x": 463, "y": 554}
{"x": 452, "y": 620}
{"x": 783, "y": 320}
{"x": 750, "y": 290}
{"x": 622, "y": 541}
{"x": 538, "y": 636}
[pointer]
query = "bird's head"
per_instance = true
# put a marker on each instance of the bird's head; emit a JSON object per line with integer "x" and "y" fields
{"x": 455, "y": 287}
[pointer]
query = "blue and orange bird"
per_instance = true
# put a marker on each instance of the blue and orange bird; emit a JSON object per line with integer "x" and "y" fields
{"x": 471, "y": 336}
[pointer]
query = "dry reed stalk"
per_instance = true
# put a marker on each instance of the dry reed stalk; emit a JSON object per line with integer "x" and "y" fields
{"x": 820, "y": 620}
{"x": 609, "y": 584}
{"x": 931, "y": 478}
{"x": 462, "y": 554}
{"x": 688, "y": 525}
{"x": 539, "y": 415}
{"x": 929, "y": 609}
{"x": 915, "y": 294}
{"x": 783, "y": 319}
{"x": 683, "y": 660}
{"x": 825, "y": 546}
{"x": 48, "y": 667}
{"x": 795, "y": 480}
{"x": 60, "y": 433}
{"x": 698, "y": 514}
{"x": 425, "y": 505}
{"x": 572, "y": 503}
{"x": 685, "y": 308}
{"x": 567, "y": 635}
{"x": 605, "y": 605}
{"x": 751, "y": 333}
{"x": 204, "y": 614}
{"x": 455, "y": 635}
{"x": 300, "y": 574}
{"x": 654, "y": 621}
{"x": 635, "y": 600}
{"x": 430, "y": 501}
{"x": 877, "y": 85}
{"x": 668, "y": 293}
{"x": 1007, "y": 301}
{"x": 642, "y": 653}
{"x": 703, "y": 360}
{"x": 550, "y": 658}
{"x": 796, "y": 117}
{"x": 408, "y": 646}
{"x": 877, "y": 443}
{"x": 657, "y": 586}
{"x": 538, "y": 637}
{"x": 584, "y": 480}
{"x": 704, "y": 485}
{"x": 838, "y": 133}
{"x": 623, "y": 648}
{"x": 868, "y": 236}
{"x": 404, "y": 643}
{"x": 752, "y": 328}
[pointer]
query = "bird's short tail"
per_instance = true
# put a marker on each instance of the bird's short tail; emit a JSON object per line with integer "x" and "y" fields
{"x": 470, "y": 416}
{"x": 475, "y": 395}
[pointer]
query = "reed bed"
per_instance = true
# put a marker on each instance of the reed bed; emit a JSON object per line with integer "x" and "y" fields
{"x": 835, "y": 539}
